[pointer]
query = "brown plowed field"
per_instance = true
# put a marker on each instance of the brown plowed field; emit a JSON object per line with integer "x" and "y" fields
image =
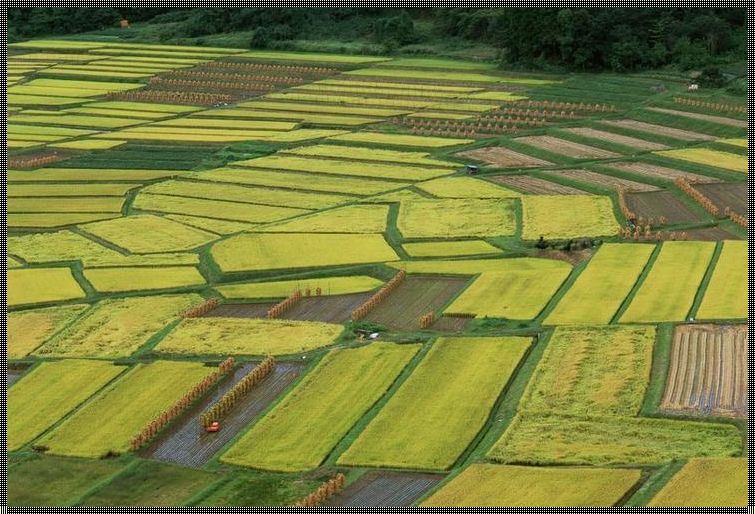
{"x": 240, "y": 310}
{"x": 631, "y": 142}
{"x": 607, "y": 181}
{"x": 708, "y": 371}
{"x": 188, "y": 444}
{"x": 385, "y": 489}
{"x": 413, "y": 298}
{"x": 721, "y": 120}
{"x": 684, "y": 135}
{"x": 333, "y": 309}
{"x": 564, "y": 147}
{"x": 661, "y": 172}
{"x": 536, "y": 185}
{"x": 450, "y": 324}
{"x": 710, "y": 234}
{"x": 655, "y": 204}
{"x": 727, "y": 194}
{"x": 501, "y": 157}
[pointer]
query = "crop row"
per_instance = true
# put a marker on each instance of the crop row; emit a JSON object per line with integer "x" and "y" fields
{"x": 736, "y": 218}
{"x": 201, "y": 309}
{"x": 322, "y": 493}
{"x": 199, "y": 85}
{"x": 241, "y": 388}
{"x": 364, "y": 309}
{"x": 33, "y": 161}
{"x": 172, "y": 97}
{"x": 281, "y": 307}
{"x": 713, "y": 106}
{"x": 696, "y": 195}
{"x": 560, "y": 106}
{"x": 273, "y": 68}
{"x": 177, "y": 408}
{"x": 427, "y": 320}
{"x": 231, "y": 77}
{"x": 497, "y": 115}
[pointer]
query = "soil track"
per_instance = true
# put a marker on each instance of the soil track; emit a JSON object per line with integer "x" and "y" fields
{"x": 632, "y": 142}
{"x": 536, "y": 185}
{"x": 564, "y": 147}
{"x": 650, "y": 170}
{"x": 655, "y": 204}
{"x": 721, "y": 120}
{"x": 501, "y": 157}
{"x": 608, "y": 181}
{"x": 413, "y": 298}
{"x": 240, "y": 310}
{"x": 684, "y": 135}
{"x": 385, "y": 489}
{"x": 332, "y": 309}
{"x": 729, "y": 194}
{"x": 188, "y": 444}
{"x": 708, "y": 370}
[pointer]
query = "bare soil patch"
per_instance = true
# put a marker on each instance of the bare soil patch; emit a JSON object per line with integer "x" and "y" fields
{"x": 501, "y": 157}
{"x": 661, "y": 172}
{"x": 727, "y": 194}
{"x": 721, "y": 120}
{"x": 240, "y": 310}
{"x": 564, "y": 147}
{"x": 684, "y": 135}
{"x": 657, "y": 204}
{"x": 332, "y": 309}
{"x": 385, "y": 489}
{"x": 609, "y": 181}
{"x": 536, "y": 185}
{"x": 632, "y": 142}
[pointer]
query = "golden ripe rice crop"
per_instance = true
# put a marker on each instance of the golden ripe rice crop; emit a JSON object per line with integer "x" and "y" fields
{"x": 41, "y": 285}
{"x": 706, "y": 483}
{"x": 715, "y": 158}
{"x": 29, "y": 329}
{"x": 139, "y": 278}
{"x": 457, "y": 218}
{"x": 567, "y": 217}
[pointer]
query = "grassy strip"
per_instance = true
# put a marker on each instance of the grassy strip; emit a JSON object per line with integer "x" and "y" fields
{"x": 659, "y": 369}
{"x": 654, "y": 484}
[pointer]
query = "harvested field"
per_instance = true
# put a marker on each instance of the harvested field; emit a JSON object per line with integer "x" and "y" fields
{"x": 721, "y": 120}
{"x": 607, "y": 181}
{"x": 729, "y": 194}
{"x": 708, "y": 371}
{"x": 240, "y": 310}
{"x": 684, "y": 135}
{"x": 189, "y": 444}
{"x": 633, "y": 142}
{"x": 332, "y": 309}
{"x": 710, "y": 234}
{"x": 564, "y": 147}
{"x": 654, "y": 205}
{"x": 536, "y": 185}
{"x": 385, "y": 489}
{"x": 661, "y": 172}
{"x": 502, "y": 157}
{"x": 450, "y": 324}
{"x": 413, "y": 298}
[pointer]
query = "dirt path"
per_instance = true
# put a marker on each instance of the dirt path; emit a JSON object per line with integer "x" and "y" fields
{"x": 188, "y": 444}
{"x": 385, "y": 489}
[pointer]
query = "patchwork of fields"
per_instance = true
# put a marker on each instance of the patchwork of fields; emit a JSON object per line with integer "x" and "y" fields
{"x": 480, "y": 287}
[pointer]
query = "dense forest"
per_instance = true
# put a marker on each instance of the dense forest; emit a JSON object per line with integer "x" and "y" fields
{"x": 618, "y": 39}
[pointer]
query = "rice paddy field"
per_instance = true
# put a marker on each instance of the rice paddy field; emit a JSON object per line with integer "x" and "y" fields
{"x": 481, "y": 287}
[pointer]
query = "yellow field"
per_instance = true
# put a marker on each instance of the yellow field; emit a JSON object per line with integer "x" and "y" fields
{"x": 400, "y": 139}
{"x": 742, "y": 143}
{"x": 421, "y": 429}
{"x": 104, "y": 204}
{"x": 490, "y": 485}
{"x": 88, "y": 144}
{"x": 308, "y": 56}
{"x": 55, "y": 219}
{"x": 351, "y": 168}
{"x": 115, "y": 416}
{"x": 352, "y": 219}
{"x": 450, "y": 249}
{"x": 87, "y": 175}
{"x": 715, "y": 158}
{"x": 304, "y": 181}
{"x": 602, "y": 287}
{"x": 706, "y": 483}
{"x": 322, "y": 108}
{"x": 400, "y": 85}
{"x": 281, "y": 251}
{"x": 149, "y": 234}
{"x": 114, "y": 280}
{"x": 29, "y": 329}
{"x": 283, "y": 288}
{"x": 55, "y": 389}
{"x": 512, "y": 294}
{"x": 117, "y": 327}
{"x": 475, "y": 266}
{"x": 65, "y": 245}
{"x": 52, "y": 190}
{"x": 227, "y": 124}
{"x": 233, "y": 211}
{"x": 371, "y": 154}
{"x": 300, "y": 431}
{"x": 246, "y": 336}
{"x": 669, "y": 290}
{"x": 567, "y": 217}
{"x": 457, "y": 218}
{"x": 40, "y": 285}
{"x": 215, "y": 226}
{"x": 726, "y": 295}
{"x": 245, "y": 194}
{"x": 465, "y": 187}
{"x": 350, "y": 100}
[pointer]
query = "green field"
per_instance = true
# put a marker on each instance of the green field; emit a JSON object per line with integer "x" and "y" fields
{"x": 669, "y": 289}
{"x": 726, "y": 295}
{"x": 123, "y": 409}
{"x": 601, "y": 288}
{"x": 489, "y": 485}
{"x": 301, "y": 430}
{"x": 55, "y": 389}
{"x": 418, "y": 428}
